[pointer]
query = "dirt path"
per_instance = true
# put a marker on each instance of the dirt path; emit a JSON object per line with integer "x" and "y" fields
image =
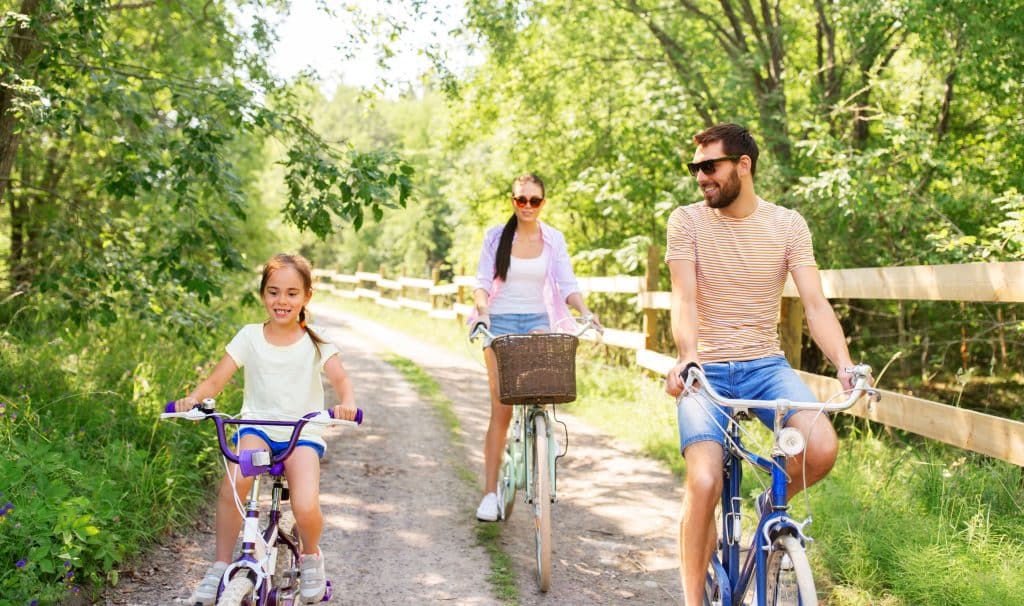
{"x": 399, "y": 525}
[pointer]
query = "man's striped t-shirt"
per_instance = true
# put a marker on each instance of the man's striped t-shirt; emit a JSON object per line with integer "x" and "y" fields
{"x": 742, "y": 266}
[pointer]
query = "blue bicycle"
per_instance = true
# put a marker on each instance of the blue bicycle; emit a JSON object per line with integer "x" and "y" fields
{"x": 774, "y": 559}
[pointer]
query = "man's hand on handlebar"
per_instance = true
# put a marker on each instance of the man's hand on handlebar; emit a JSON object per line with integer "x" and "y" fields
{"x": 675, "y": 380}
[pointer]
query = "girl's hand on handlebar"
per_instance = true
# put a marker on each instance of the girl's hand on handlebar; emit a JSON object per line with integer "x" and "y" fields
{"x": 185, "y": 404}
{"x": 345, "y": 412}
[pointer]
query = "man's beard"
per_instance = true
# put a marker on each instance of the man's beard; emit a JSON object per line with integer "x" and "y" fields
{"x": 727, "y": 193}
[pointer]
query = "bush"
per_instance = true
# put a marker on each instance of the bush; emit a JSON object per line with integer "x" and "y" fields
{"x": 89, "y": 474}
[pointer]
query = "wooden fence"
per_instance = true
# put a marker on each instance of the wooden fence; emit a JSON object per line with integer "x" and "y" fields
{"x": 979, "y": 282}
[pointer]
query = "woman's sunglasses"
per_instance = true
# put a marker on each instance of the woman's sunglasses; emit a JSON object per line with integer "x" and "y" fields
{"x": 708, "y": 166}
{"x": 522, "y": 201}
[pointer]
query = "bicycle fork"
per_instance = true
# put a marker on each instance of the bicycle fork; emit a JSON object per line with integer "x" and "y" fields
{"x": 548, "y": 436}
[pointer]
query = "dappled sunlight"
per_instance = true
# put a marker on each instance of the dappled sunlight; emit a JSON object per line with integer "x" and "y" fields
{"x": 347, "y": 522}
{"x": 420, "y": 460}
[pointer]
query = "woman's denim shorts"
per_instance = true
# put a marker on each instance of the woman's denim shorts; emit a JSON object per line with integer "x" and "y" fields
{"x": 767, "y": 378}
{"x": 517, "y": 324}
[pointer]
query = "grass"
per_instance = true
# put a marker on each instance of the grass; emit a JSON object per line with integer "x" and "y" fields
{"x": 502, "y": 576}
{"x": 900, "y": 521}
{"x": 89, "y": 475}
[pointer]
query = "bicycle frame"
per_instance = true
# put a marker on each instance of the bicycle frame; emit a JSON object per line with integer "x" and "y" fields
{"x": 733, "y": 573}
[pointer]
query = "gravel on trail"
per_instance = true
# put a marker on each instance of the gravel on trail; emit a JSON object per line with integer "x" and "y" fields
{"x": 399, "y": 525}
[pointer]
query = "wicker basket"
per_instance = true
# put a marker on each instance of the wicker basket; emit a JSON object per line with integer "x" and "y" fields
{"x": 536, "y": 368}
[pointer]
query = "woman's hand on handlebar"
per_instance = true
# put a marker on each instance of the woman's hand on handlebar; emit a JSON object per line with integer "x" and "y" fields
{"x": 592, "y": 318}
{"x": 345, "y": 412}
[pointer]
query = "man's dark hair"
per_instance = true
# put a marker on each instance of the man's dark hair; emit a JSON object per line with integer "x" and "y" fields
{"x": 736, "y": 141}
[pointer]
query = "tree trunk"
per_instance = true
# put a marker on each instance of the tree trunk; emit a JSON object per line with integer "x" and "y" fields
{"x": 21, "y": 46}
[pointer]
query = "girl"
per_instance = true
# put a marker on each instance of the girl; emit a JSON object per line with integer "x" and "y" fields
{"x": 283, "y": 359}
{"x": 523, "y": 282}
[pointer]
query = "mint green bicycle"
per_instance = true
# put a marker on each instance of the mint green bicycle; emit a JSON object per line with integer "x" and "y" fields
{"x": 535, "y": 371}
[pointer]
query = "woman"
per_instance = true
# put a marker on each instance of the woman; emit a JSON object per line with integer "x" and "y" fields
{"x": 524, "y": 283}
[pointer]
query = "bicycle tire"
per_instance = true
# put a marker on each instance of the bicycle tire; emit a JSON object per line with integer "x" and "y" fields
{"x": 239, "y": 592}
{"x": 789, "y": 586}
{"x": 507, "y": 480}
{"x": 542, "y": 501}
{"x": 286, "y": 565}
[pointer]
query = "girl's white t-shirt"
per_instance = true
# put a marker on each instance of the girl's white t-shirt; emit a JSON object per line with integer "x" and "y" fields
{"x": 281, "y": 383}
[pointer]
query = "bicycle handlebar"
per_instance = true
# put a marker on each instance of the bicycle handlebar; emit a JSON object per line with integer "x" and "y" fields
{"x": 480, "y": 328}
{"x": 207, "y": 410}
{"x": 696, "y": 382}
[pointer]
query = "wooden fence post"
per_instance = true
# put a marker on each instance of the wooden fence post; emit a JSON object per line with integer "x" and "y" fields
{"x": 791, "y": 329}
{"x": 435, "y": 276}
{"x": 650, "y": 284}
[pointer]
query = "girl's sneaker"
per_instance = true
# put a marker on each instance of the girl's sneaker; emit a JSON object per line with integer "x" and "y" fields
{"x": 312, "y": 579}
{"x": 206, "y": 592}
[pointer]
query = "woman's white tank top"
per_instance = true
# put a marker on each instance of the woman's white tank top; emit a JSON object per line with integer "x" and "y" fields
{"x": 523, "y": 290}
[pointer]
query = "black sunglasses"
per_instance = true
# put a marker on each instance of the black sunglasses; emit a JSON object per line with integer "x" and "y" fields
{"x": 522, "y": 201}
{"x": 708, "y": 166}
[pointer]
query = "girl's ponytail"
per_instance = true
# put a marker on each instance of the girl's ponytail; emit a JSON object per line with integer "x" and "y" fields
{"x": 317, "y": 339}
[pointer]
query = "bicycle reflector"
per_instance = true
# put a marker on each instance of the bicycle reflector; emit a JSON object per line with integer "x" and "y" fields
{"x": 791, "y": 441}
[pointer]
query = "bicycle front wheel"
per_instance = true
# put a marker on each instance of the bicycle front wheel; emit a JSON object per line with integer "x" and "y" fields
{"x": 239, "y": 592}
{"x": 542, "y": 500}
{"x": 788, "y": 574}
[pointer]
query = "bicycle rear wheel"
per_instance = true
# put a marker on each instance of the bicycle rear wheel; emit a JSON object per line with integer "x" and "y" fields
{"x": 507, "y": 480}
{"x": 789, "y": 583}
{"x": 542, "y": 500}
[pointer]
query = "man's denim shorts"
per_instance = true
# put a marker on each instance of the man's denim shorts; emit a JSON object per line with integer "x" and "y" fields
{"x": 276, "y": 448}
{"x": 761, "y": 379}
{"x": 517, "y": 324}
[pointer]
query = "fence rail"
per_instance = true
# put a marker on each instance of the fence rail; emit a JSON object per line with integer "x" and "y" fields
{"x": 978, "y": 282}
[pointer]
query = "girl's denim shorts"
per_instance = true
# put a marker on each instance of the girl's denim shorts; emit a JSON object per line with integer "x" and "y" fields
{"x": 767, "y": 378}
{"x": 276, "y": 448}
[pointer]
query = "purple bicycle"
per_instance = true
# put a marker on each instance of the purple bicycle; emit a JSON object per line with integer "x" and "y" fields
{"x": 266, "y": 572}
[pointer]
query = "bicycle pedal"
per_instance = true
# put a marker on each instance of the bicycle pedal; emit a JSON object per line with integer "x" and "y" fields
{"x": 284, "y": 494}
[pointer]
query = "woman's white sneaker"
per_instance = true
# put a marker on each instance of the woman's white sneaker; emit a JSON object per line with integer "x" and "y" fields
{"x": 488, "y": 510}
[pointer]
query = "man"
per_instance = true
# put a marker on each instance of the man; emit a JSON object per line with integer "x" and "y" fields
{"x": 728, "y": 258}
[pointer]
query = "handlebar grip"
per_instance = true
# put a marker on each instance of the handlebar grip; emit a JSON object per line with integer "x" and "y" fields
{"x": 686, "y": 370}
{"x": 359, "y": 415}
{"x": 171, "y": 406}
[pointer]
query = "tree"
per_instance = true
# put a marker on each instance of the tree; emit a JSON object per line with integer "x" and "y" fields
{"x": 128, "y": 136}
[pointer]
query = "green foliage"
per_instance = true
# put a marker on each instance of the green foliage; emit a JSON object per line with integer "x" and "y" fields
{"x": 90, "y": 473}
{"x": 138, "y": 140}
